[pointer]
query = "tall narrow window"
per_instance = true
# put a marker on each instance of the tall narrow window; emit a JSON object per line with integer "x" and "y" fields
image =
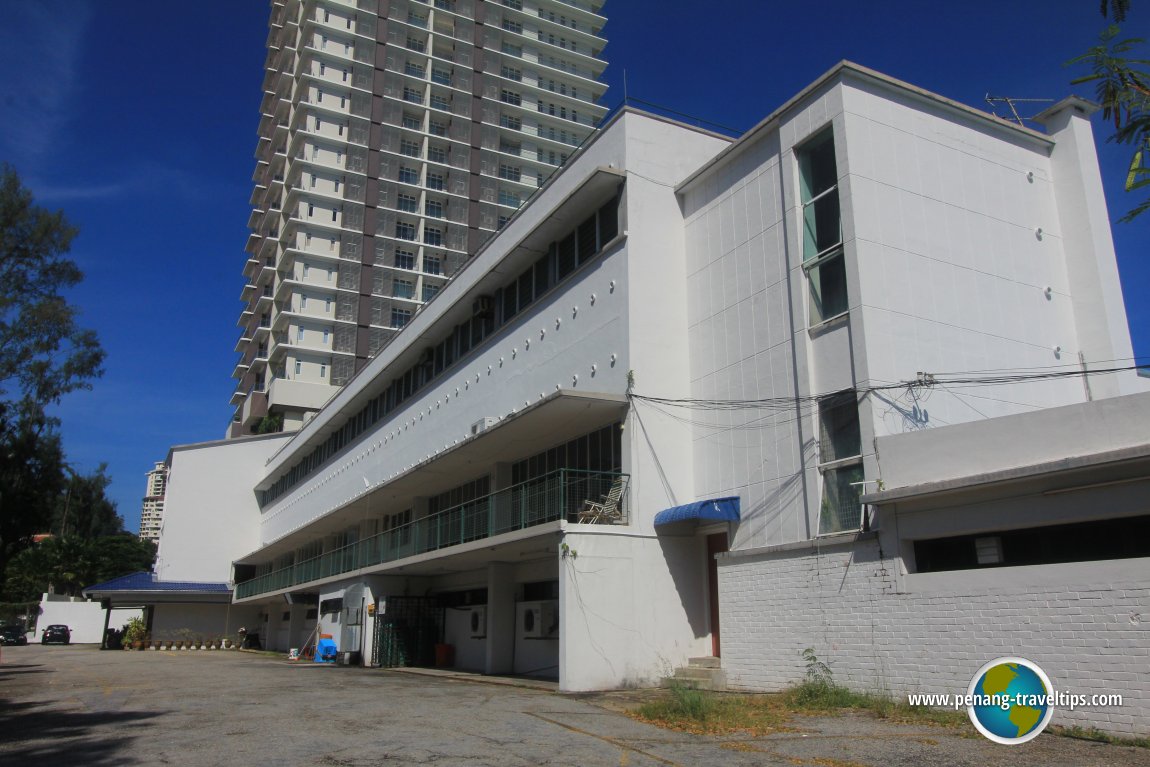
{"x": 822, "y": 228}
{"x": 840, "y": 463}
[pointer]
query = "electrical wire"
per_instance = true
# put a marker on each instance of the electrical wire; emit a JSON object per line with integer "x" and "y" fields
{"x": 925, "y": 382}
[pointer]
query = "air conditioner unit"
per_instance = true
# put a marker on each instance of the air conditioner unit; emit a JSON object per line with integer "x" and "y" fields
{"x": 539, "y": 620}
{"x": 483, "y": 424}
{"x": 483, "y": 306}
{"x": 478, "y": 622}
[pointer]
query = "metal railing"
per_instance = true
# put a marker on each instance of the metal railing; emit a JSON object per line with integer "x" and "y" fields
{"x": 562, "y": 494}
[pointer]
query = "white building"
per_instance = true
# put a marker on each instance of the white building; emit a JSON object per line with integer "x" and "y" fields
{"x": 210, "y": 519}
{"x": 395, "y": 138}
{"x": 640, "y": 425}
{"x": 152, "y": 511}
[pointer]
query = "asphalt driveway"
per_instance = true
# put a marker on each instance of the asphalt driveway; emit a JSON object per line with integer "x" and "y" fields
{"x": 81, "y": 707}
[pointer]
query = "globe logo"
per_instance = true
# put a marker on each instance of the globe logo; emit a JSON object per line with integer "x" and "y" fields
{"x": 1010, "y": 700}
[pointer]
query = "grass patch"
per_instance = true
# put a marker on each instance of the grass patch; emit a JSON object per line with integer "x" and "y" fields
{"x": 706, "y": 713}
{"x": 822, "y": 697}
{"x": 1098, "y": 736}
{"x": 701, "y": 712}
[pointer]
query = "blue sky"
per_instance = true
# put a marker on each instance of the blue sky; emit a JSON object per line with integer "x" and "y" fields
{"x": 138, "y": 119}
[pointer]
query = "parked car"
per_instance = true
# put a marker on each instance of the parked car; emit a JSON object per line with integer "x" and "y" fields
{"x": 57, "y": 633}
{"x": 13, "y": 635}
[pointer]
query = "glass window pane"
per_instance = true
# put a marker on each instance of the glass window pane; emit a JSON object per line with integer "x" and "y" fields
{"x": 817, "y": 166}
{"x": 821, "y": 225}
{"x": 828, "y": 289}
{"x": 839, "y": 435}
{"x": 841, "y": 508}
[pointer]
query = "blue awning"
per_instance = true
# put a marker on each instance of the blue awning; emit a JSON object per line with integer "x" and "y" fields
{"x": 717, "y": 509}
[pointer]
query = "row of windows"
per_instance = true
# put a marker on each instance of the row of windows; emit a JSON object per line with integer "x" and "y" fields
{"x": 405, "y": 259}
{"x": 435, "y": 180}
{"x": 598, "y": 451}
{"x": 490, "y": 313}
{"x": 1078, "y": 542}
{"x": 823, "y": 258}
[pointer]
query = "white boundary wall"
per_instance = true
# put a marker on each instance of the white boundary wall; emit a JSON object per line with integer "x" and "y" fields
{"x": 86, "y": 619}
{"x": 842, "y": 601}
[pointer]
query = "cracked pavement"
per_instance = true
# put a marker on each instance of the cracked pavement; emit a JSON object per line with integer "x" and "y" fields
{"x": 79, "y": 706}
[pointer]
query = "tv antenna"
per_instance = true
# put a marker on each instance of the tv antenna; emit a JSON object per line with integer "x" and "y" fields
{"x": 994, "y": 101}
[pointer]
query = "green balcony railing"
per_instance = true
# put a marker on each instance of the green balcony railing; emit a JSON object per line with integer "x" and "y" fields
{"x": 562, "y": 494}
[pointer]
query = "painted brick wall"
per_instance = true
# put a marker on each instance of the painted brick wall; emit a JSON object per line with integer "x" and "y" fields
{"x": 843, "y": 602}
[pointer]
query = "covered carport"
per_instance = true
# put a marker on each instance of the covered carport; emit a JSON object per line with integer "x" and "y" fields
{"x": 171, "y": 606}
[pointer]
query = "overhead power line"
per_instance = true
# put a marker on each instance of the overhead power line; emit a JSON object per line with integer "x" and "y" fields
{"x": 922, "y": 381}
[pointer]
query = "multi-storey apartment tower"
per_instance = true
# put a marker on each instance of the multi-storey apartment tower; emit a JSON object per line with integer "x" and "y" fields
{"x": 152, "y": 512}
{"x": 395, "y": 137}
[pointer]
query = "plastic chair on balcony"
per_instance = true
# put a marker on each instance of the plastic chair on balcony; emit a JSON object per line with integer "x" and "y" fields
{"x": 608, "y": 510}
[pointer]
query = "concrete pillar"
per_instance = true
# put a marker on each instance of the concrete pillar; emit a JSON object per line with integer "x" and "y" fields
{"x": 500, "y": 619}
{"x": 501, "y": 517}
{"x": 500, "y": 476}
{"x": 1091, "y": 266}
{"x": 295, "y": 626}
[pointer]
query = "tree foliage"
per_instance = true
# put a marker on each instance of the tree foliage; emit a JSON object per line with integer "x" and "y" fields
{"x": 85, "y": 511}
{"x": 68, "y": 565}
{"x": 44, "y": 354}
{"x": 1122, "y": 87}
{"x": 31, "y": 480}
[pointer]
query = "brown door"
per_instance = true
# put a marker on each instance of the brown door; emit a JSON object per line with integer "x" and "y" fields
{"x": 716, "y": 544}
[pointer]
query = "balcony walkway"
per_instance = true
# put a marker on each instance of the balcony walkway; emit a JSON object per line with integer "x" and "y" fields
{"x": 561, "y": 494}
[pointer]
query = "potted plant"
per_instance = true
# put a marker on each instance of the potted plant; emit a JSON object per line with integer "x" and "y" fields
{"x": 135, "y": 633}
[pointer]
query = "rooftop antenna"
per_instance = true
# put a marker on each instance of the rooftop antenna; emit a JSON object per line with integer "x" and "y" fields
{"x": 624, "y": 87}
{"x": 1010, "y": 102}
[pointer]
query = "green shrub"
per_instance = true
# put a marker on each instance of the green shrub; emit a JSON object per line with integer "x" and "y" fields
{"x": 135, "y": 630}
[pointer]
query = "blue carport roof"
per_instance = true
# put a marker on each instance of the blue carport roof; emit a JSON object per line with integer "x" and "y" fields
{"x": 716, "y": 509}
{"x": 144, "y": 581}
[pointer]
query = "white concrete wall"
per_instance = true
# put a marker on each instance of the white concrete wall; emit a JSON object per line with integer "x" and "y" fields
{"x": 843, "y": 602}
{"x": 656, "y": 293}
{"x": 210, "y": 512}
{"x": 1020, "y": 440}
{"x": 633, "y": 608}
{"x": 748, "y": 319}
{"x": 85, "y": 619}
{"x": 1091, "y": 265}
{"x": 952, "y": 272}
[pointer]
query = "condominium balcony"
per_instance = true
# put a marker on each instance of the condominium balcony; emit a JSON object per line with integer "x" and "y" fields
{"x": 562, "y": 495}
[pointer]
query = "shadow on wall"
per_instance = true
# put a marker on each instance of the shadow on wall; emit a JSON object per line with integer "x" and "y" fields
{"x": 685, "y": 558}
{"x": 757, "y": 522}
{"x": 52, "y": 736}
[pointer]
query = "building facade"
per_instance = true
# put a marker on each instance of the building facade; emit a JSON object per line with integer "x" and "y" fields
{"x": 857, "y": 382}
{"x": 395, "y": 137}
{"x": 152, "y": 511}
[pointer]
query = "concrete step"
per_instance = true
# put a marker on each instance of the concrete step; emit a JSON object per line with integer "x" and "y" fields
{"x": 695, "y": 673}
{"x": 705, "y": 662}
{"x": 702, "y": 683}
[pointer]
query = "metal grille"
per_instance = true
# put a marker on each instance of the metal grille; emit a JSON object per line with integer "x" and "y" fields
{"x": 407, "y": 632}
